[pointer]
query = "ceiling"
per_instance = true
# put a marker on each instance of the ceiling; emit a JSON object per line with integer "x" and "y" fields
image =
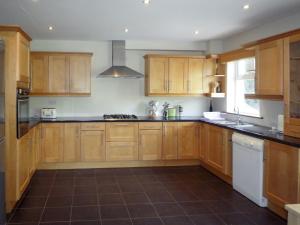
{"x": 161, "y": 20}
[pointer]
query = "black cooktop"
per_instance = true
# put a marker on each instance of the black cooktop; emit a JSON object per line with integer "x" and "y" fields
{"x": 119, "y": 116}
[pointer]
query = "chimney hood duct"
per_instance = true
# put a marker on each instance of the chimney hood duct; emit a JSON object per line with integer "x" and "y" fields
{"x": 119, "y": 68}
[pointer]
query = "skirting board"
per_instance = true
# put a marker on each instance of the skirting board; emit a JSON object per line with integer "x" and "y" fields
{"x": 117, "y": 164}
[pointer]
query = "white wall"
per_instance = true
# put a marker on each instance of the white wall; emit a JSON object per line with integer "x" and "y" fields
{"x": 111, "y": 95}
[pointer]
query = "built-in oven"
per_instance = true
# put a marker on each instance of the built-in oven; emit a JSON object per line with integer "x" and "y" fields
{"x": 22, "y": 112}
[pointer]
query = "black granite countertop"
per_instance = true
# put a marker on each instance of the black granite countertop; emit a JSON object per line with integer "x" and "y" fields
{"x": 254, "y": 131}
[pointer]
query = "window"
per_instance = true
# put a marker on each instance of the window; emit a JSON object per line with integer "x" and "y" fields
{"x": 241, "y": 81}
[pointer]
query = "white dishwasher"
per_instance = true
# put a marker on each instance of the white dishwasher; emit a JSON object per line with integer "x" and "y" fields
{"x": 248, "y": 167}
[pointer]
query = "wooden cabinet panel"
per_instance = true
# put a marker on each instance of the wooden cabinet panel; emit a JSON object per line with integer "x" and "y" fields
{"x": 121, "y": 151}
{"x": 170, "y": 136}
{"x": 122, "y": 131}
{"x": 178, "y": 75}
{"x": 24, "y": 52}
{"x": 195, "y": 76}
{"x": 72, "y": 142}
{"x": 215, "y": 154}
{"x": 269, "y": 71}
{"x": 39, "y": 73}
{"x": 281, "y": 173}
{"x": 58, "y": 74}
{"x": 150, "y": 144}
{"x": 187, "y": 140}
{"x": 92, "y": 145}
{"x": 52, "y": 142}
{"x": 80, "y": 74}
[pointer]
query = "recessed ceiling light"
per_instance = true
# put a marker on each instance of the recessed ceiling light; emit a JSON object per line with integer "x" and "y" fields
{"x": 126, "y": 30}
{"x": 196, "y": 32}
{"x": 146, "y": 2}
{"x": 246, "y": 7}
{"x": 50, "y": 28}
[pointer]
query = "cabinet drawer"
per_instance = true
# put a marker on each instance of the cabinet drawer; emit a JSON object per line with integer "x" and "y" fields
{"x": 120, "y": 151}
{"x": 92, "y": 126}
{"x": 150, "y": 126}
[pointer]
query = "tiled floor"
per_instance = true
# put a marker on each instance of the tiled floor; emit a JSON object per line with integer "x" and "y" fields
{"x": 136, "y": 196}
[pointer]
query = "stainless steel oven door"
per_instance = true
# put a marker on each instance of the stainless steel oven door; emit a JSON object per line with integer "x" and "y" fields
{"x": 22, "y": 116}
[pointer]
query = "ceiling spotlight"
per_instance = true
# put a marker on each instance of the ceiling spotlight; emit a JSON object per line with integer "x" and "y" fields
{"x": 196, "y": 32}
{"x": 247, "y": 6}
{"x": 50, "y": 28}
{"x": 146, "y": 2}
{"x": 126, "y": 30}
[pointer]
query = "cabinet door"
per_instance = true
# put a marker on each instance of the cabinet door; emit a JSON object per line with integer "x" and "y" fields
{"x": 58, "y": 74}
{"x": 281, "y": 173}
{"x": 80, "y": 74}
{"x": 24, "y": 52}
{"x": 195, "y": 77}
{"x": 187, "y": 141}
{"x": 121, "y": 151}
{"x": 215, "y": 154}
{"x": 156, "y": 75}
{"x": 269, "y": 71}
{"x": 92, "y": 145}
{"x": 170, "y": 136}
{"x": 39, "y": 73}
{"x": 72, "y": 142}
{"x": 52, "y": 142}
{"x": 150, "y": 144}
{"x": 123, "y": 132}
{"x": 178, "y": 75}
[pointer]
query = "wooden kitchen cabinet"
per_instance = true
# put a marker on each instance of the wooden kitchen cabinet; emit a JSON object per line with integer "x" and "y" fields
{"x": 59, "y": 73}
{"x": 23, "y": 79}
{"x": 39, "y": 73}
{"x": 195, "y": 76}
{"x": 122, "y": 132}
{"x": 269, "y": 68}
{"x": 178, "y": 76}
{"x": 150, "y": 144}
{"x": 170, "y": 137}
{"x": 92, "y": 145}
{"x": 187, "y": 140}
{"x": 52, "y": 142}
{"x": 281, "y": 174}
{"x": 71, "y": 142}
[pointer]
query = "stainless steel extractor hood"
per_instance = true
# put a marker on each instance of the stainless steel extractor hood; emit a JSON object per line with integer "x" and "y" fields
{"x": 119, "y": 68}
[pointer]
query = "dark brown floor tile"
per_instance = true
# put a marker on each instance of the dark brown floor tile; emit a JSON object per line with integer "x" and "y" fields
{"x": 85, "y": 190}
{"x": 131, "y": 187}
{"x": 117, "y": 222}
{"x": 235, "y": 219}
{"x": 33, "y": 202}
{"x": 160, "y": 196}
{"x": 61, "y": 191}
{"x": 56, "y": 214}
{"x": 85, "y": 222}
{"x": 168, "y": 209}
{"x": 85, "y": 213}
{"x": 141, "y": 211}
{"x": 85, "y": 200}
{"x": 26, "y": 215}
{"x": 184, "y": 196}
{"x": 177, "y": 220}
{"x": 265, "y": 218}
{"x": 221, "y": 207}
{"x": 147, "y": 221}
{"x": 195, "y": 208}
{"x": 110, "y": 199}
{"x": 206, "y": 220}
{"x": 59, "y": 201}
{"x": 133, "y": 198}
{"x": 113, "y": 212}
{"x": 105, "y": 189}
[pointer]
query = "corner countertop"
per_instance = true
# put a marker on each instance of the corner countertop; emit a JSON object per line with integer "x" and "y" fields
{"x": 254, "y": 131}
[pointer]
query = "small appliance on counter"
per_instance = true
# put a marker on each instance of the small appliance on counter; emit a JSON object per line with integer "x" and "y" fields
{"x": 48, "y": 113}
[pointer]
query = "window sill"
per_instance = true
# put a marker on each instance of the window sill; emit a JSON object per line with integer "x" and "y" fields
{"x": 245, "y": 115}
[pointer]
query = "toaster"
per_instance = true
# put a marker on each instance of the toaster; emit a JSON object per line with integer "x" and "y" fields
{"x": 48, "y": 113}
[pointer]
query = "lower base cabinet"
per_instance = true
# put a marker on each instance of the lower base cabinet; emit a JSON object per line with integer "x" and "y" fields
{"x": 282, "y": 172}
{"x": 92, "y": 145}
{"x": 120, "y": 151}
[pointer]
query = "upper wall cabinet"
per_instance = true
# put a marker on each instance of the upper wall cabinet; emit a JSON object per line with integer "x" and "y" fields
{"x": 60, "y": 73}
{"x": 269, "y": 69}
{"x": 173, "y": 75}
